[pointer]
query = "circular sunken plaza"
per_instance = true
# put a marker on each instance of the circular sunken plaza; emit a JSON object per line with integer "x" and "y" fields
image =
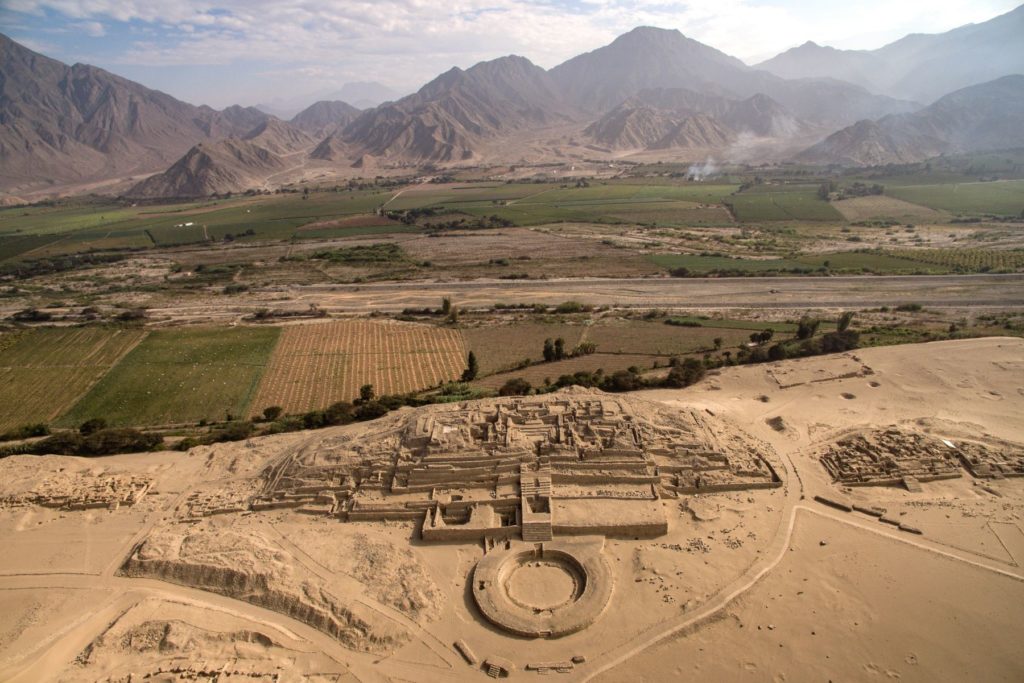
{"x": 545, "y": 590}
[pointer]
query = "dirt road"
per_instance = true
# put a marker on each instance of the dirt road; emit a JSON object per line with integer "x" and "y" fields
{"x": 1002, "y": 291}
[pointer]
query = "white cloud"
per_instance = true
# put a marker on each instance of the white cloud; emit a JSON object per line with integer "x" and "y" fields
{"x": 93, "y": 29}
{"x": 406, "y": 42}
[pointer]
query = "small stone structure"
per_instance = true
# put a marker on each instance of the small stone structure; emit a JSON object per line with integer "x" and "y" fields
{"x": 890, "y": 457}
{"x": 899, "y": 457}
{"x": 991, "y": 462}
{"x": 83, "y": 491}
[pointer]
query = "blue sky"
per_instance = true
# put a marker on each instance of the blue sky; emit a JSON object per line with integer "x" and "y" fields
{"x": 222, "y": 52}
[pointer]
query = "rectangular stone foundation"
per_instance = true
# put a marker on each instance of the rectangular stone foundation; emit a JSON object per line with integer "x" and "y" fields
{"x": 609, "y": 517}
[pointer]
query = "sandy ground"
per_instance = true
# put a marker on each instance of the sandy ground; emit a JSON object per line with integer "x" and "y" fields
{"x": 978, "y": 292}
{"x": 746, "y": 585}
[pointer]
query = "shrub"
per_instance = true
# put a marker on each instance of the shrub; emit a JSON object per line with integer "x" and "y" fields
{"x": 25, "y": 432}
{"x": 32, "y": 315}
{"x": 339, "y": 413}
{"x": 370, "y": 410}
{"x": 623, "y": 380}
{"x": 92, "y": 426}
{"x": 271, "y": 413}
{"x": 517, "y": 386}
{"x": 690, "y": 371}
{"x": 807, "y": 327}
{"x": 101, "y": 442}
{"x": 573, "y": 307}
{"x": 584, "y": 349}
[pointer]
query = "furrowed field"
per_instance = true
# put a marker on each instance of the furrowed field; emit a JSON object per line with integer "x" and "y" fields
{"x": 181, "y": 375}
{"x": 42, "y": 372}
{"x": 782, "y": 204}
{"x": 503, "y": 347}
{"x": 536, "y": 374}
{"x": 968, "y": 260}
{"x": 316, "y": 365}
{"x": 1005, "y": 197}
{"x": 658, "y": 339}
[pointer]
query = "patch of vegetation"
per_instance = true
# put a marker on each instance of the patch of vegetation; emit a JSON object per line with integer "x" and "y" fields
{"x": 368, "y": 253}
{"x": 101, "y": 442}
{"x": 181, "y": 375}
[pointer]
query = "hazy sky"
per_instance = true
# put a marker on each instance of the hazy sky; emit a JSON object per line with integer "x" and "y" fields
{"x": 222, "y": 52}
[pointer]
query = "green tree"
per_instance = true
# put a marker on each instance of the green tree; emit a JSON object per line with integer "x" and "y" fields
{"x": 807, "y": 327}
{"x": 366, "y": 393}
{"x": 718, "y": 341}
{"x": 446, "y": 306}
{"x": 271, "y": 413}
{"x": 549, "y": 350}
{"x": 844, "y": 321}
{"x": 584, "y": 349}
{"x": 559, "y": 349}
{"x": 472, "y": 368}
{"x": 690, "y": 371}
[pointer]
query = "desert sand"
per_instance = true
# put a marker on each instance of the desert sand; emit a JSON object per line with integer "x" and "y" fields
{"x": 850, "y": 517}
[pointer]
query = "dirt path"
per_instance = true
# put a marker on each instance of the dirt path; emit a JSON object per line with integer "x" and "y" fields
{"x": 794, "y": 292}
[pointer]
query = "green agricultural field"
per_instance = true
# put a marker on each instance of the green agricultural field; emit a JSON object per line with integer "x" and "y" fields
{"x": 696, "y": 263}
{"x": 181, "y": 375}
{"x": 968, "y": 260}
{"x": 621, "y": 203}
{"x": 350, "y": 230}
{"x": 866, "y": 261}
{"x": 1004, "y": 197}
{"x": 657, "y": 338}
{"x": 48, "y": 231}
{"x": 471, "y": 194}
{"x": 767, "y": 204}
{"x": 44, "y": 371}
{"x": 729, "y": 324}
{"x": 839, "y": 262}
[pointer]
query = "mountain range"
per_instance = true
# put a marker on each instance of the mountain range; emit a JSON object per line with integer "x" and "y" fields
{"x": 650, "y": 91}
{"x": 917, "y": 67}
{"x": 61, "y": 124}
{"x": 978, "y": 118}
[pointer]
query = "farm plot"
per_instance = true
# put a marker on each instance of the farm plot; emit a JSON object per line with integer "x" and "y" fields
{"x": 1004, "y": 197}
{"x": 502, "y": 347}
{"x": 886, "y": 208}
{"x": 181, "y": 375}
{"x": 697, "y": 263}
{"x": 536, "y": 374}
{"x": 968, "y": 260}
{"x": 43, "y": 372}
{"x": 801, "y": 205}
{"x": 636, "y": 337}
{"x": 316, "y": 365}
